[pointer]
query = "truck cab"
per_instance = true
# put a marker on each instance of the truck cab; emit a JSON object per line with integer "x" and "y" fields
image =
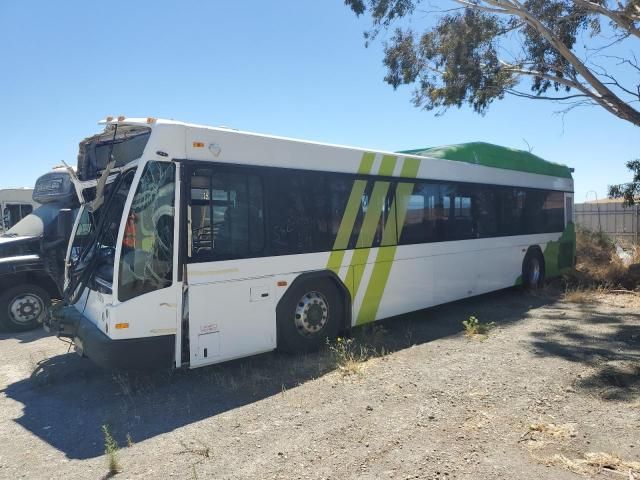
{"x": 32, "y": 253}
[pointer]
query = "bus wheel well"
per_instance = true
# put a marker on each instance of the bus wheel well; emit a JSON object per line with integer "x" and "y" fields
{"x": 534, "y": 250}
{"x": 326, "y": 274}
{"x": 533, "y": 268}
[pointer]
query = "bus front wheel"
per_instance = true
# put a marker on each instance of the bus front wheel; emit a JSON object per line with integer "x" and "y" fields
{"x": 310, "y": 313}
{"x": 533, "y": 269}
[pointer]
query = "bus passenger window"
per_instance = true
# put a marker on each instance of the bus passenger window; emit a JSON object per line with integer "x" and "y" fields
{"x": 301, "y": 212}
{"x": 226, "y": 216}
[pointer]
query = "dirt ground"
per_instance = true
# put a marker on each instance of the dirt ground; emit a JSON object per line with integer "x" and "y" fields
{"x": 553, "y": 391}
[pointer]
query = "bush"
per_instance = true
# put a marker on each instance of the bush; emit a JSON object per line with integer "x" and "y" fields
{"x": 599, "y": 266}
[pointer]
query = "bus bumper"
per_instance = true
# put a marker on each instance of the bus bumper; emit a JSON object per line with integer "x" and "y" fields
{"x": 132, "y": 353}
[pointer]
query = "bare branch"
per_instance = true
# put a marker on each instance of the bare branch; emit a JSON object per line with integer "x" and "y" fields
{"x": 542, "y": 97}
{"x": 475, "y": 6}
{"x": 599, "y": 70}
{"x": 563, "y": 81}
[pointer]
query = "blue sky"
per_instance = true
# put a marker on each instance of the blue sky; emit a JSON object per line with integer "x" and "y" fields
{"x": 292, "y": 68}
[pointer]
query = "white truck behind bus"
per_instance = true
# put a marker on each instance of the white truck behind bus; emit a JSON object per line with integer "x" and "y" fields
{"x": 15, "y": 204}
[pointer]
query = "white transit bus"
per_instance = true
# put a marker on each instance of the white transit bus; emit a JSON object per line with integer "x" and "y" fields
{"x": 210, "y": 244}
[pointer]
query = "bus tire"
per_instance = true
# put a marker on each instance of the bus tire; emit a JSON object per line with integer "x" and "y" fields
{"x": 310, "y": 313}
{"x": 533, "y": 269}
{"x": 23, "y": 307}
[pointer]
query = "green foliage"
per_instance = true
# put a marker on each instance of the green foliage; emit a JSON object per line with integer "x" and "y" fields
{"x": 473, "y": 327}
{"x": 462, "y": 60}
{"x": 111, "y": 451}
{"x": 484, "y": 49}
{"x": 630, "y": 192}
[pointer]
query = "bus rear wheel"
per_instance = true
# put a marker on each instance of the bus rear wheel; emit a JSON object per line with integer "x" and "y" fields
{"x": 310, "y": 313}
{"x": 23, "y": 307}
{"x": 533, "y": 270}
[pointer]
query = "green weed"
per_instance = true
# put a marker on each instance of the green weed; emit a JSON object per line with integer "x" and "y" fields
{"x": 111, "y": 451}
{"x": 473, "y": 327}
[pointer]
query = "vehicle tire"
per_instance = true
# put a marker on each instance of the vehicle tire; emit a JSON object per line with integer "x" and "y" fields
{"x": 311, "y": 312}
{"x": 533, "y": 270}
{"x": 23, "y": 307}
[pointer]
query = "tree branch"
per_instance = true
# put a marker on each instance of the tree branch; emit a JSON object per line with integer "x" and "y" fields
{"x": 475, "y": 6}
{"x": 612, "y": 15}
{"x": 542, "y": 97}
{"x": 606, "y": 97}
{"x": 578, "y": 86}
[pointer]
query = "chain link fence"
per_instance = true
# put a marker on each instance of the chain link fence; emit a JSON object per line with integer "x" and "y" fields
{"x": 613, "y": 218}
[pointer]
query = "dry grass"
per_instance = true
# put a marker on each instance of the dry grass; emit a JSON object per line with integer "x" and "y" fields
{"x": 598, "y": 264}
{"x": 348, "y": 355}
{"x": 552, "y": 430}
{"x": 197, "y": 448}
{"x": 540, "y": 435}
{"x": 578, "y": 296}
{"x": 594, "y": 463}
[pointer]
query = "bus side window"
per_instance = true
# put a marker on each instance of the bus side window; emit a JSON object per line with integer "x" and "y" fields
{"x": 226, "y": 211}
{"x": 293, "y": 214}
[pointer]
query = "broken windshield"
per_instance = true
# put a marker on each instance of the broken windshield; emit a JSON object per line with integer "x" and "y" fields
{"x": 122, "y": 143}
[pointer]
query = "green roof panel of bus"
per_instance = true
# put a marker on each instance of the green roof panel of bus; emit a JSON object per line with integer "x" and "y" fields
{"x": 495, "y": 156}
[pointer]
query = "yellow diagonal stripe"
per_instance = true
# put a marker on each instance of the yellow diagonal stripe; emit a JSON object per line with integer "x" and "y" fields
{"x": 386, "y": 255}
{"x": 387, "y": 165}
{"x": 372, "y": 216}
{"x": 350, "y": 213}
{"x": 369, "y": 226}
{"x": 366, "y": 236}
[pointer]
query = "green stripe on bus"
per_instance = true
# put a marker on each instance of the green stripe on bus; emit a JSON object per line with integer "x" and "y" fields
{"x": 403, "y": 195}
{"x": 387, "y": 165}
{"x": 377, "y": 284}
{"x": 354, "y": 275}
{"x": 366, "y": 163}
{"x": 367, "y": 235}
{"x": 335, "y": 261}
{"x": 350, "y": 213}
{"x": 389, "y": 232}
{"x": 349, "y": 216}
{"x": 410, "y": 168}
{"x": 372, "y": 216}
{"x": 376, "y": 203}
{"x": 369, "y": 226}
{"x": 386, "y": 255}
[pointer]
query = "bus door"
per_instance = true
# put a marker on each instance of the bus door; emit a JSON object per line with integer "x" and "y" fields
{"x": 231, "y": 307}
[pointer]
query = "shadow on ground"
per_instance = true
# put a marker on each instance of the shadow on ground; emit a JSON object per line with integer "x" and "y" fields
{"x": 608, "y": 343}
{"x": 24, "y": 337}
{"x": 67, "y": 399}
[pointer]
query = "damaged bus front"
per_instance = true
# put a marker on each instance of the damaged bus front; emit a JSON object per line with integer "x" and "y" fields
{"x": 113, "y": 257}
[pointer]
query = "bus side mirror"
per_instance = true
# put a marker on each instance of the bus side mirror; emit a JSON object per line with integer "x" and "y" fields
{"x": 65, "y": 223}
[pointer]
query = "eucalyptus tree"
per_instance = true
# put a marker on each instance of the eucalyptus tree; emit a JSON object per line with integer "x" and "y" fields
{"x": 473, "y": 52}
